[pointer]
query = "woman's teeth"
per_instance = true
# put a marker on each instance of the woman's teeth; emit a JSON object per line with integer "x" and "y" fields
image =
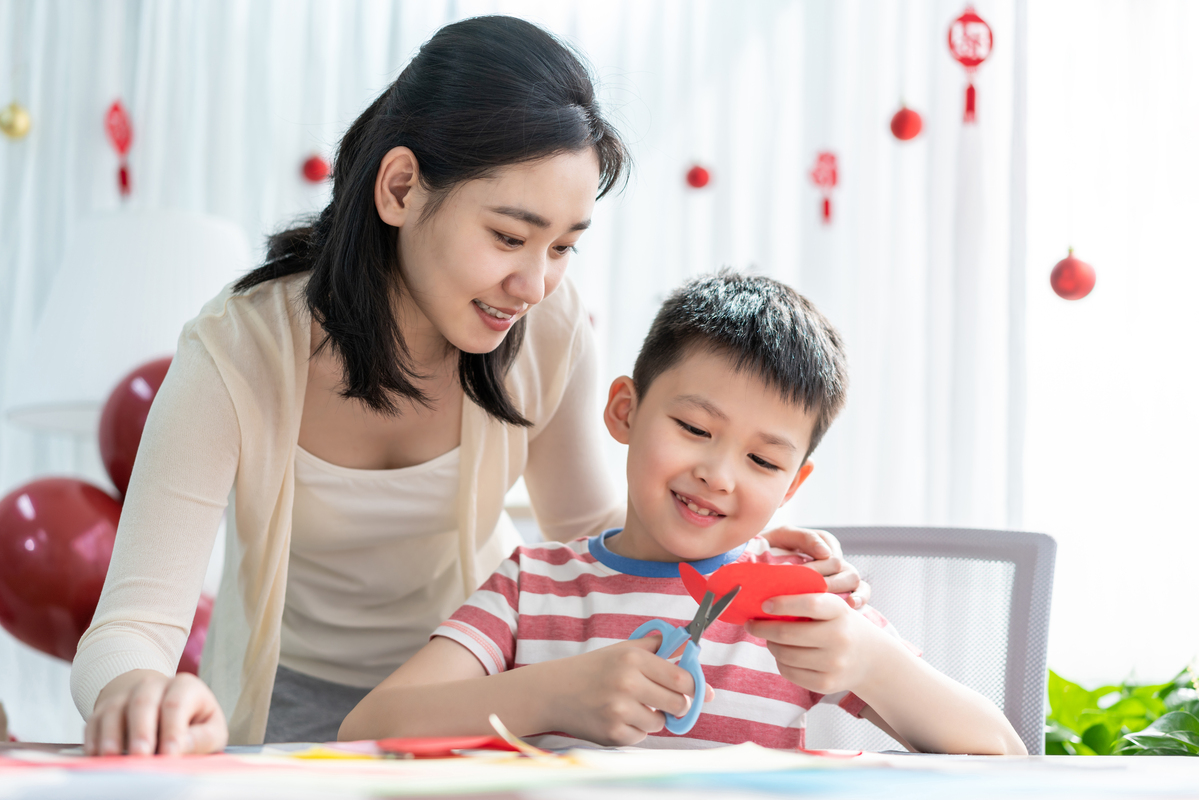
{"x": 703, "y": 512}
{"x": 492, "y": 311}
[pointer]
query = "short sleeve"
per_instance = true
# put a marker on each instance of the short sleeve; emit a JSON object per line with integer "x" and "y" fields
{"x": 486, "y": 623}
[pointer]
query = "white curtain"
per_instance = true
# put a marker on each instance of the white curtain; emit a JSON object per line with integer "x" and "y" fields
{"x": 923, "y": 267}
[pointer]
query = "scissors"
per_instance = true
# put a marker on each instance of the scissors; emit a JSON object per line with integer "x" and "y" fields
{"x": 690, "y": 633}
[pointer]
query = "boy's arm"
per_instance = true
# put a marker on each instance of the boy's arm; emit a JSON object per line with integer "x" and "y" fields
{"x": 841, "y": 650}
{"x": 606, "y": 696}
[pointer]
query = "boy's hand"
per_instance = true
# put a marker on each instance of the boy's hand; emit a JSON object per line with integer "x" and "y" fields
{"x": 616, "y": 695}
{"x": 838, "y": 650}
{"x": 823, "y": 547}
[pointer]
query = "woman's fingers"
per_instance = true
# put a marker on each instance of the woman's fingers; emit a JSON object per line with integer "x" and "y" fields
{"x": 111, "y": 729}
{"x": 141, "y": 716}
{"x": 188, "y": 709}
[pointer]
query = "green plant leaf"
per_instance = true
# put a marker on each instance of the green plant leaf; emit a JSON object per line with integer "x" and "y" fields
{"x": 1099, "y": 738}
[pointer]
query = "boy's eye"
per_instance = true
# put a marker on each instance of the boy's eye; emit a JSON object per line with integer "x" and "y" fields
{"x": 691, "y": 429}
{"x": 510, "y": 241}
{"x": 761, "y": 462}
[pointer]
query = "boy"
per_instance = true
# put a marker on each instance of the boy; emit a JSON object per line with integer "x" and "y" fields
{"x": 736, "y": 383}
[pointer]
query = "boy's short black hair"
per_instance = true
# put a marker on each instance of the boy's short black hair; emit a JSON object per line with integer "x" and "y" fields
{"x": 765, "y": 327}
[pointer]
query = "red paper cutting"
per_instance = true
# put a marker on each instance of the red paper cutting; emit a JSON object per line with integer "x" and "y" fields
{"x": 441, "y": 746}
{"x": 758, "y": 582}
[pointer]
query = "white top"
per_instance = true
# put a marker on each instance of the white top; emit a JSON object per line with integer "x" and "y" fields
{"x": 228, "y": 417}
{"x": 368, "y": 547}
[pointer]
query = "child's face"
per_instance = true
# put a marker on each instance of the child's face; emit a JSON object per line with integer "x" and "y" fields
{"x": 712, "y": 454}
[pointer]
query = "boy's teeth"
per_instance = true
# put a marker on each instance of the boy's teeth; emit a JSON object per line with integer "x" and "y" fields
{"x": 491, "y": 311}
{"x": 703, "y": 512}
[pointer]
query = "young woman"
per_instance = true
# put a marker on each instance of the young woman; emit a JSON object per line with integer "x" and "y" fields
{"x": 364, "y": 400}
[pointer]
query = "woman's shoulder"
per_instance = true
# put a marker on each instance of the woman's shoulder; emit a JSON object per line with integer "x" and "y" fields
{"x": 263, "y": 318}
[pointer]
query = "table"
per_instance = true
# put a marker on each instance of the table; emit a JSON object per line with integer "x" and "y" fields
{"x": 744, "y": 772}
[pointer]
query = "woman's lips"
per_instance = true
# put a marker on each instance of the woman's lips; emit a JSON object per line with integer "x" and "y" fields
{"x": 495, "y": 323}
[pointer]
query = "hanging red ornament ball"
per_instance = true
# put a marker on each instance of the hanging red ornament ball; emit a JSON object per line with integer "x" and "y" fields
{"x": 1072, "y": 278}
{"x": 316, "y": 169}
{"x": 698, "y": 177}
{"x": 906, "y": 124}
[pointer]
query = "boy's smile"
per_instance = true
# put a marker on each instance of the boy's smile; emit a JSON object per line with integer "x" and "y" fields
{"x": 713, "y": 452}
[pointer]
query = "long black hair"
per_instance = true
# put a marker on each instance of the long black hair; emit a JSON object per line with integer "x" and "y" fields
{"x": 482, "y": 94}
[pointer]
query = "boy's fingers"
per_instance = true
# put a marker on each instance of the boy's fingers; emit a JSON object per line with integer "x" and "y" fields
{"x": 812, "y": 606}
{"x": 802, "y": 540}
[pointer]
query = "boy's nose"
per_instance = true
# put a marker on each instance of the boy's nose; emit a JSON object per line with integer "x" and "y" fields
{"x": 716, "y": 473}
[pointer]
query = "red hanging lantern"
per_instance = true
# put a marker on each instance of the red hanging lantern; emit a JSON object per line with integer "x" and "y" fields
{"x": 120, "y": 133}
{"x": 970, "y": 42}
{"x": 824, "y": 175}
{"x": 316, "y": 169}
{"x": 1072, "y": 278}
{"x": 698, "y": 177}
{"x": 906, "y": 124}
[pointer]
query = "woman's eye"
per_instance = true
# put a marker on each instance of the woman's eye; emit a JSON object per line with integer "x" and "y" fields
{"x": 691, "y": 429}
{"x": 563, "y": 249}
{"x": 510, "y": 241}
{"x": 761, "y": 462}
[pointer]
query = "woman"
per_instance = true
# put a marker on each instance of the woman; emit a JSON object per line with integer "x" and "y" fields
{"x": 364, "y": 400}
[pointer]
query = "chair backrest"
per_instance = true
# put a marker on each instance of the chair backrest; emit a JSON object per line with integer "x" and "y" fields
{"x": 975, "y": 602}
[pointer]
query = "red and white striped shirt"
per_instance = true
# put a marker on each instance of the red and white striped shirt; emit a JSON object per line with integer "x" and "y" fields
{"x": 558, "y": 600}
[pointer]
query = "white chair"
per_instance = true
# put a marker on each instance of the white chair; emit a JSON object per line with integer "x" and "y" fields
{"x": 976, "y": 602}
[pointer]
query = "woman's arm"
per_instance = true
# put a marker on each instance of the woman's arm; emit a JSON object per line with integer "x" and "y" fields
{"x": 124, "y": 669}
{"x": 568, "y": 482}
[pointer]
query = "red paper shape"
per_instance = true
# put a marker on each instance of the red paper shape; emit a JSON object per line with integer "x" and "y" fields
{"x": 824, "y": 175}
{"x": 442, "y": 746}
{"x": 758, "y": 582}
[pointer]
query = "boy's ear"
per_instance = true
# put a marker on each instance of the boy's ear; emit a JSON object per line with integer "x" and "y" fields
{"x": 618, "y": 413}
{"x": 800, "y": 477}
{"x": 395, "y": 184}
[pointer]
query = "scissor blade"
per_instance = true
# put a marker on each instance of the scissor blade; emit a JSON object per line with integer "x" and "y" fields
{"x": 713, "y": 614}
{"x": 699, "y": 621}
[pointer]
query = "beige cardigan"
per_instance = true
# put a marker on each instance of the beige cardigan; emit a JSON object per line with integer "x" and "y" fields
{"x": 227, "y": 418}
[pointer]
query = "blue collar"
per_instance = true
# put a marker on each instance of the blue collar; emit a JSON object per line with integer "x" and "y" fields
{"x": 654, "y": 569}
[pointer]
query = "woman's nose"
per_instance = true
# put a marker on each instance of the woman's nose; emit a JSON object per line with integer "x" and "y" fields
{"x": 528, "y": 282}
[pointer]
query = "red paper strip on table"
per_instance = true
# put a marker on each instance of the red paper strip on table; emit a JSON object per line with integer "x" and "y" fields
{"x": 970, "y": 42}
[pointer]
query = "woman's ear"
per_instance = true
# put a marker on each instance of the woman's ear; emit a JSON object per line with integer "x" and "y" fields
{"x": 618, "y": 413}
{"x": 800, "y": 477}
{"x": 396, "y": 185}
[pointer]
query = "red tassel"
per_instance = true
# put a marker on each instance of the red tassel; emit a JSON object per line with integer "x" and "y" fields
{"x": 828, "y": 211}
{"x": 123, "y": 179}
{"x": 969, "y": 116}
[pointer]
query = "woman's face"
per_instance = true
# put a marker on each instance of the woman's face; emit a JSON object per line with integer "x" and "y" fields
{"x": 494, "y": 249}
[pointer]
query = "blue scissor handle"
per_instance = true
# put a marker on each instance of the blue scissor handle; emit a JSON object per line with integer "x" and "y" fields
{"x": 672, "y": 637}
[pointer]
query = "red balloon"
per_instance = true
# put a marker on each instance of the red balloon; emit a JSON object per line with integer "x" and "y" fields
{"x": 316, "y": 169}
{"x": 698, "y": 177}
{"x": 56, "y": 537}
{"x": 124, "y": 417}
{"x": 190, "y": 660}
{"x": 1072, "y": 278}
{"x": 906, "y": 124}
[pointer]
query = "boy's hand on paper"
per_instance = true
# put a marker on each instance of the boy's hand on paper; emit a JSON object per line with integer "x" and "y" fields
{"x": 838, "y": 650}
{"x": 821, "y": 546}
{"x": 616, "y": 695}
{"x": 144, "y": 712}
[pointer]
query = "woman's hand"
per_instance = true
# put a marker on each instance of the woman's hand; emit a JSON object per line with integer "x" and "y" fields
{"x": 143, "y": 712}
{"x": 842, "y": 578}
{"x": 616, "y": 695}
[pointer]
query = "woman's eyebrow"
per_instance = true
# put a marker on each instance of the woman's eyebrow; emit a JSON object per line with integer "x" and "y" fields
{"x": 533, "y": 218}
